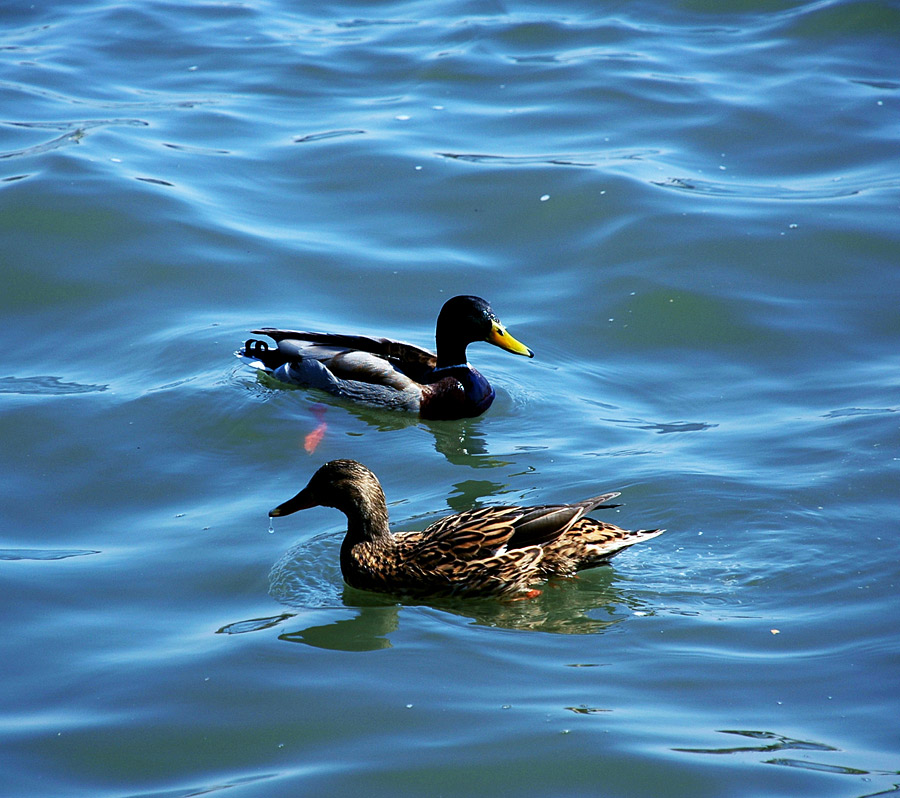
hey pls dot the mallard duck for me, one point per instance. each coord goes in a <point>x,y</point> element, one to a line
<point>388,373</point>
<point>494,551</point>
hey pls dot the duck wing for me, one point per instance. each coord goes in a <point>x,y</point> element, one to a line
<point>540,525</point>
<point>491,531</point>
<point>404,354</point>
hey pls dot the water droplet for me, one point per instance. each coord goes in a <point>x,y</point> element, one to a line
<point>545,197</point>
<point>271,526</point>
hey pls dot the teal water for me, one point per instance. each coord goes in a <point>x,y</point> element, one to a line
<point>689,211</point>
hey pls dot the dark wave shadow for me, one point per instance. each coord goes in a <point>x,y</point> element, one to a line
<point>772,742</point>
<point>834,189</point>
<point>778,743</point>
<point>210,788</point>
<point>662,427</point>
<point>72,133</point>
<point>328,134</point>
<point>44,554</point>
<point>613,156</point>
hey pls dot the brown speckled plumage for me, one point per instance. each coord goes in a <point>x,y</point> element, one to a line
<point>494,551</point>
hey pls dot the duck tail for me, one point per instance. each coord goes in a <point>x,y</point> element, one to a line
<point>260,355</point>
<point>598,502</point>
<point>610,548</point>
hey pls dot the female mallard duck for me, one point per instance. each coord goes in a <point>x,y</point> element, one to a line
<point>495,551</point>
<point>393,374</point>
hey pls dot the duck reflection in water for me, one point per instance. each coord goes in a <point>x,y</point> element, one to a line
<point>366,622</point>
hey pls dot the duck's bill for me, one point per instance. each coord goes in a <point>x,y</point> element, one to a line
<point>498,336</point>
<point>302,501</point>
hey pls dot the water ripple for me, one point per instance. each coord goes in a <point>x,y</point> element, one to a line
<point>43,554</point>
<point>552,160</point>
<point>73,133</point>
<point>45,385</point>
<point>253,624</point>
<point>836,189</point>
<point>779,743</point>
<point>328,134</point>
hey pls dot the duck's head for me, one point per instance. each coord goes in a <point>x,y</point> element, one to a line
<point>343,484</point>
<point>465,319</point>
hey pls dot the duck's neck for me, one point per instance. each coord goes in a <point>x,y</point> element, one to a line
<point>367,519</point>
<point>451,351</point>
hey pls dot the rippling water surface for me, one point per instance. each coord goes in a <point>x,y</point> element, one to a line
<point>689,211</point>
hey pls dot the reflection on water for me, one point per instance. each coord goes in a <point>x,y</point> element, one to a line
<point>585,604</point>
<point>460,441</point>
<point>468,494</point>
<point>308,577</point>
<point>367,631</point>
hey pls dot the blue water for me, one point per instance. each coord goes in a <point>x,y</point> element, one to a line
<point>689,211</point>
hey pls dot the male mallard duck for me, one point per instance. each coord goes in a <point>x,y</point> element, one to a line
<point>393,374</point>
<point>495,551</point>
